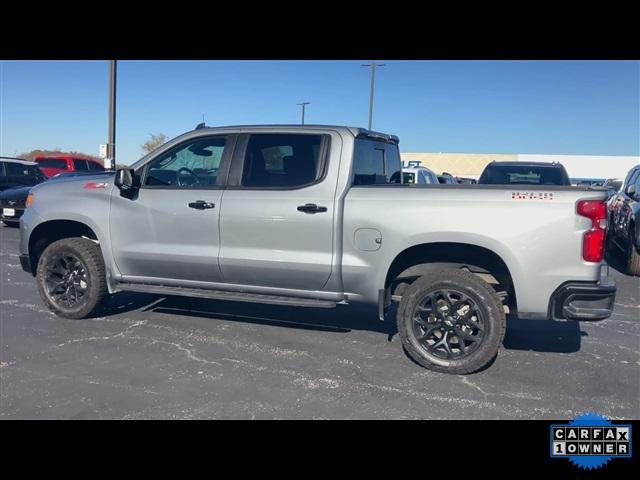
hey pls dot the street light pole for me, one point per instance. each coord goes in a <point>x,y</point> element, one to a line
<point>373,81</point>
<point>111,146</point>
<point>303,104</point>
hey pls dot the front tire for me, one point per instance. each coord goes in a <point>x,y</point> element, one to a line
<point>451,321</point>
<point>71,278</point>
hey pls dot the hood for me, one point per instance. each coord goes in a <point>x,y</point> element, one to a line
<point>80,177</point>
<point>16,193</point>
<point>73,181</point>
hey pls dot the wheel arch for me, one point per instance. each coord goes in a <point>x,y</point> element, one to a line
<point>50,231</point>
<point>414,261</point>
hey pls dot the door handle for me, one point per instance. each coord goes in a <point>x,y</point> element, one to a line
<point>311,208</point>
<point>201,205</point>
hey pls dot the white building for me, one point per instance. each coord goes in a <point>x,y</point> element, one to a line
<point>472,164</point>
<point>588,166</point>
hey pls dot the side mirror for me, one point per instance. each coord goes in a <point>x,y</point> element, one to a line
<point>126,182</point>
<point>631,190</point>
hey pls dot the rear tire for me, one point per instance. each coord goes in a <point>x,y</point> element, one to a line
<point>633,257</point>
<point>71,278</point>
<point>434,327</point>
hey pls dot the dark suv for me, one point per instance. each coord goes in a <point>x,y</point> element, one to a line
<point>16,179</point>
<point>624,221</point>
<point>524,173</point>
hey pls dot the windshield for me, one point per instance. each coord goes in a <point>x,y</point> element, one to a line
<point>524,175</point>
<point>35,172</point>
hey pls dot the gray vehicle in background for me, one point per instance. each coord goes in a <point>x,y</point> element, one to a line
<point>447,179</point>
<point>419,176</point>
<point>315,216</point>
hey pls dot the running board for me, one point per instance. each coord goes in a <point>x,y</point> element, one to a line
<point>225,295</point>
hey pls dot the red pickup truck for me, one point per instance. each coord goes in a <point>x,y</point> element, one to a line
<point>51,166</point>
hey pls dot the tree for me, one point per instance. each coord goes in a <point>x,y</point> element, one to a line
<point>154,142</point>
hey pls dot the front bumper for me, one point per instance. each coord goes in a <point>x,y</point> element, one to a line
<point>584,300</point>
<point>12,219</point>
<point>15,218</point>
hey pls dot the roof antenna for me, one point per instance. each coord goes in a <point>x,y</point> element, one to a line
<point>201,125</point>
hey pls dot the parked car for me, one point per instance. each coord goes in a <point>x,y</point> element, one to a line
<point>309,216</point>
<point>624,221</point>
<point>64,163</point>
<point>13,203</point>
<point>466,181</point>
<point>588,182</point>
<point>17,177</point>
<point>613,185</point>
<point>524,173</point>
<point>419,176</point>
<point>15,172</point>
<point>447,179</point>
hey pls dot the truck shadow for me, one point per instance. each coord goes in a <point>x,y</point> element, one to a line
<point>536,335</point>
<point>543,335</point>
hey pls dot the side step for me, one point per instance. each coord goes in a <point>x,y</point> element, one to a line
<point>224,295</point>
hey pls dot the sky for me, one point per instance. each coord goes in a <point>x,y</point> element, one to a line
<point>543,107</point>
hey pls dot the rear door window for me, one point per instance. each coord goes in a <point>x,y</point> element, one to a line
<point>282,160</point>
<point>95,166</point>
<point>634,179</point>
<point>80,165</point>
<point>53,163</point>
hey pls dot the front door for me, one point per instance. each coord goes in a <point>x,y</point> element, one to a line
<point>276,224</point>
<point>170,230</point>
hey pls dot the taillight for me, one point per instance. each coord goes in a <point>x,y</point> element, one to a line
<point>593,241</point>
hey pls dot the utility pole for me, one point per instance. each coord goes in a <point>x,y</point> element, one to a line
<point>373,81</point>
<point>111,146</point>
<point>303,104</point>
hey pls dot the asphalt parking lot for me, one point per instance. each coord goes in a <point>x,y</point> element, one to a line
<point>154,357</point>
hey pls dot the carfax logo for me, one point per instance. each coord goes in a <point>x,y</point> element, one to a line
<point>590,441</point>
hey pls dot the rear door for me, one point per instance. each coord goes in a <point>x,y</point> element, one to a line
<point>276,223</point>
<point>170,230</point>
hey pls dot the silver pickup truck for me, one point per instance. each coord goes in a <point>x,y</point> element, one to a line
<point>317,216</point>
